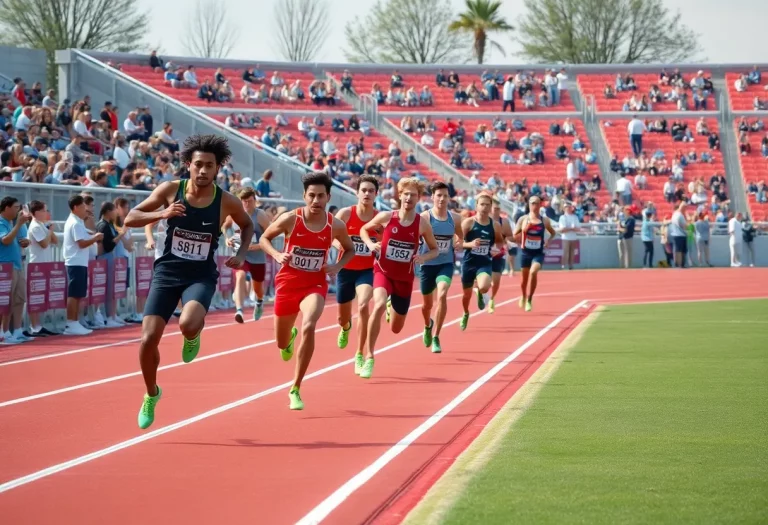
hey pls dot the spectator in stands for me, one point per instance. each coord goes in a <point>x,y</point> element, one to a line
<point>155,62</point>
<point>741,84</point>
<point>396,80</point>
<point>635,129</point>
<point>13,240</point>
<point>190,77</point>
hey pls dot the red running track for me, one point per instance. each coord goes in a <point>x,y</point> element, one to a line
<point>224,446</point>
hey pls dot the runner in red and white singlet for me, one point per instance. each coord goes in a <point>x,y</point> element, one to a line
<point>300,284</point>
<point>397,254</point>
<point>356,278</point>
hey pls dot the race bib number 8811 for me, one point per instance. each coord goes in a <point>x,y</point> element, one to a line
<point>192,246</point>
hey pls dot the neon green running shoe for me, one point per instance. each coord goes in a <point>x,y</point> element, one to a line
<point>427,336</point>
<point>528,305</point>
<point>389,309</point>
<point>258,311</point>
<point>464,321</point>
<point>521,302</point>
<point>358,363</point>
<point>190,349</point>
<point>367,371</point>
<point>295,397</point>
<point>343,340</point>
<point>287,353</point>
<point>491,306</point>
<point>436,348</point>
<point>147,411</point>
<point>480,300</point>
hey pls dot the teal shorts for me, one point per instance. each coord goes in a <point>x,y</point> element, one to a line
<point>433,274</point>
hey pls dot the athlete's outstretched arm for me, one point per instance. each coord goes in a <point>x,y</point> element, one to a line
<point>283,225</point>
<point>458,231</point>
<point>341,237</point>
<point>148,211</point>
<point>550,229</point>
<point>233,208</point>
<point>466,226</point>
<point>425,230</point>
<point>381,219</point>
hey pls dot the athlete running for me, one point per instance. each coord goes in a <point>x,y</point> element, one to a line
<point>356,278</point>
<point>529,231</point>
<point>186,270</point>
<point>498,261</point>
<point>481,243</point>
<point>255,258</point>
<point>397,252</point>
<point>301,284</point>
<point>437,274</point>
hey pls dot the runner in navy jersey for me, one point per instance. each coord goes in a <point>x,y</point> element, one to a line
<point>499,260</point>
<point>530,234</point>
<point>194,210</point>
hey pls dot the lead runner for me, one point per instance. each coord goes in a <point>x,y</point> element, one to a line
<point>301,284</point>
<point>393,273</point>
<point>186,270</point>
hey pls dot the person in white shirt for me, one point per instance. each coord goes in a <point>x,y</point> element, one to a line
<point>508,95</point>
<point>624,188</point>
<point>76,248</point>
<point>568,227</point>
<point>24,119</point>
<point>42,239</point>
<point>677,232</point>
<point>735,236</point>
<point>635,128</point>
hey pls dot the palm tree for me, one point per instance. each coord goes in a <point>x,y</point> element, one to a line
<point>481,18</point>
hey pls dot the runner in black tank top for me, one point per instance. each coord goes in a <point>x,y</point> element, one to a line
<point>194,210</point>
<point>530,235</point>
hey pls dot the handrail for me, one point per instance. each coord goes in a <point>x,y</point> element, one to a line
<point>210,120</point>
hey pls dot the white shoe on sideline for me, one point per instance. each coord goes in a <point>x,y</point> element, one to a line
<point>75,328</point>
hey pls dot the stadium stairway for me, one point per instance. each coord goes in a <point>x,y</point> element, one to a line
<point>729,146</point>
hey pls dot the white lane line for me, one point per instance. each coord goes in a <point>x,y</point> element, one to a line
<point>166,367</point>
<point>319,513</point>
<point>44,473</point>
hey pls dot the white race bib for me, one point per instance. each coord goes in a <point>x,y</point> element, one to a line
<point>192,246</point>
<point>361,248</point>
<point>533,244</point>
<point>399,251</point>
<point>444,243</point>
<point>483,249</point>
<point>307,259</point>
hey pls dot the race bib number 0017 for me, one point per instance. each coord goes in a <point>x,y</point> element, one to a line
<point>361,248</point>
<point>307,260</point>
<point>191,246</point>
<point>399,251</point>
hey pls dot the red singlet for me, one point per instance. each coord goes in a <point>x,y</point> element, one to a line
<point>398,246</point>
<point>303,275</point>
<point>363,259</point>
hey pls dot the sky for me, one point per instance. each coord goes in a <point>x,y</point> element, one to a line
<point>718,24</point>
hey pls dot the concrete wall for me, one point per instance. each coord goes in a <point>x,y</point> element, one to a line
<point>28,64</point>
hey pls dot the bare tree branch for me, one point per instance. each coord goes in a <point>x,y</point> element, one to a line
<point>105,25</point>
<point>302,28</point>
<point>210,33</point>
<point>406,31</point>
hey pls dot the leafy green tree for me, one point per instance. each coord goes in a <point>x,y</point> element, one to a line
<point>480,19</point>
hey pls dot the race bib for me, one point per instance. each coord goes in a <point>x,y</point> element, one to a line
<point>399,251</point>
<point>361,248</point>
<point>307,260</point>
<point>532,244</point>
<point>191,246</point>
<point>483,249</point>
<point>444,243</point>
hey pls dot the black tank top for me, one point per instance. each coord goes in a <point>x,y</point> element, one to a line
<point>191,241</point>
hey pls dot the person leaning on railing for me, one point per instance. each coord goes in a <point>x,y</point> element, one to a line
<point>13,239</point>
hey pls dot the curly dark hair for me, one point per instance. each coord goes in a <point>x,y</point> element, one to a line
<point>218,146</point>
<point>368,178</point>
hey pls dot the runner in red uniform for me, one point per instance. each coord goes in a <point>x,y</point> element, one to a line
<point>397,253</point>
<point>356,278</point>
<point>300,284</point>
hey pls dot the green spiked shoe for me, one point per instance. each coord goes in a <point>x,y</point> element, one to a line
<point>359,360</point>
<point>190,349</point>
<point>367,370</point>
<point>258,312</point>
<point>147,411</point>
<point>464,321</point>
<point>427,336</point>
<point>287,353</point>
<point>436,348</point>
<point>528,305</point>
<point>295,398</point>
<point>343,340</point>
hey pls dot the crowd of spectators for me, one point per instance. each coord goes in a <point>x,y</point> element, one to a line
<point>673,88</point>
